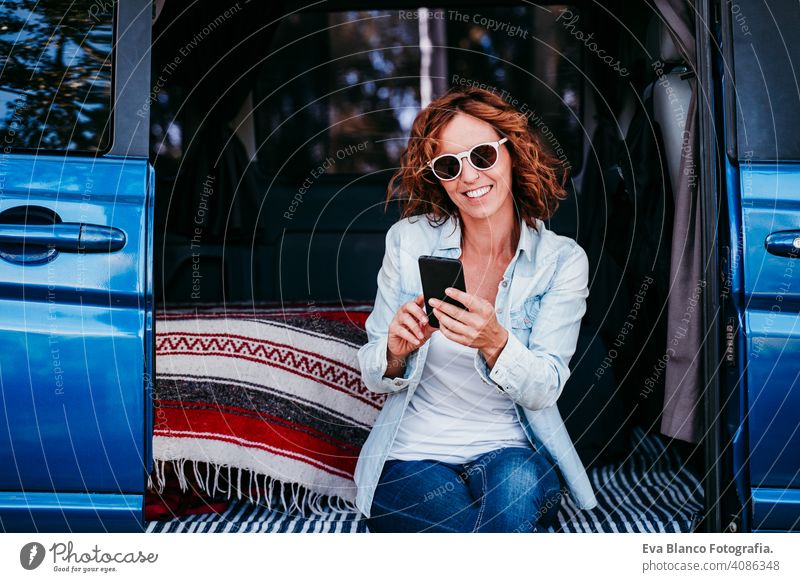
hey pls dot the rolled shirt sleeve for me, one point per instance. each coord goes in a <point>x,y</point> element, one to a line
<point>534,375</point>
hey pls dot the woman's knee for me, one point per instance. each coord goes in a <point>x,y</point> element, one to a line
<point>525,468</point>
<point>521,489</point>
<point>550,492</point>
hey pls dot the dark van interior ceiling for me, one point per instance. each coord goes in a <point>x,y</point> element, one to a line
<point>213,60</point>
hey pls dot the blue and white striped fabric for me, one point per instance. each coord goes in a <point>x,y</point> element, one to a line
<point>651,490</point>
<point>246,517</point>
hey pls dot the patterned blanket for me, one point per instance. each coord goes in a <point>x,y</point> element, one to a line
<point>263,402</point>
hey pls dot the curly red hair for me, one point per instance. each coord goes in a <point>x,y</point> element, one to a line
<point>538,177</point>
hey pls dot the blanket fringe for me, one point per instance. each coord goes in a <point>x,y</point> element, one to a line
<point>286,496</point>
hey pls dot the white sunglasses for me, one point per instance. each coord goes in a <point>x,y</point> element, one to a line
<point>481,157</point>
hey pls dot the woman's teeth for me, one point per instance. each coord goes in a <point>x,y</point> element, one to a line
<point>478,192</point>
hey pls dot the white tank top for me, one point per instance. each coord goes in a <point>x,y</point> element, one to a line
<point>454,416</point>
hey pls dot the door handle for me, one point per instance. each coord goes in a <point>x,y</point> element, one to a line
<point>65,237</point>
<point>785,243</point>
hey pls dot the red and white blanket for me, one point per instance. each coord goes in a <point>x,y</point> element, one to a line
<point>267,399</point>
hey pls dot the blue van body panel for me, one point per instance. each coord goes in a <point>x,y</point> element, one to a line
<point>70,512</point>
<point>776,510</point>
<point>770,202</point>
<point>773,346</point>
<point>76,359</point>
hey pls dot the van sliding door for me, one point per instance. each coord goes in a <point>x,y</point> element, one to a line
<point>764,197</point>
<point>75,265</point>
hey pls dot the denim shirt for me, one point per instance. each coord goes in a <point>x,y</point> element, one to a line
<point>540,301</point>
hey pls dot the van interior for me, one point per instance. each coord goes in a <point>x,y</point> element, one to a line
<point>275,131</point>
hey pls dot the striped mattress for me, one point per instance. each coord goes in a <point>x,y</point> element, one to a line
<point>651,490</point>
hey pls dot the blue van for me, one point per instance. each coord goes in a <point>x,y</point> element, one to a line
<point>156,155</point>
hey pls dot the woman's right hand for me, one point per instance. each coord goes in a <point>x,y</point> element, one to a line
<point>409,329</point>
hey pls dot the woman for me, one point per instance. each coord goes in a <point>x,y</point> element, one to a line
<point>469,438</point>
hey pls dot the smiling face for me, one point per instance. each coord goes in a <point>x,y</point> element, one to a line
<point>490,189</point>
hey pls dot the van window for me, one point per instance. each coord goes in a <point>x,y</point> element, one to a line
<point>344,87</point>
<point>55,74</point>
<point>767,77</point>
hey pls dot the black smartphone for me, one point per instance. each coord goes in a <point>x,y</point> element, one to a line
<point>437,274</point>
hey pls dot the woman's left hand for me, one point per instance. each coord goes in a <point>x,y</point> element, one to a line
<point>474,327</point>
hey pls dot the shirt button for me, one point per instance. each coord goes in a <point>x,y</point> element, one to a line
<point>505,283</point>
<point>398,382</point>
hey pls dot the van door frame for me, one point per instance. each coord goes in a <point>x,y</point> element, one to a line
<point>708,154</point>
<point>130,112</point>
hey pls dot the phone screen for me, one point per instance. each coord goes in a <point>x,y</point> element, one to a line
<point>437,274</point>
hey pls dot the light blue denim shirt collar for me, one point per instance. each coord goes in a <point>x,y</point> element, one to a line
<point>451,237</point>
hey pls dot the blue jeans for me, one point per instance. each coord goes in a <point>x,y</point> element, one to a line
<point>504,490</point>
